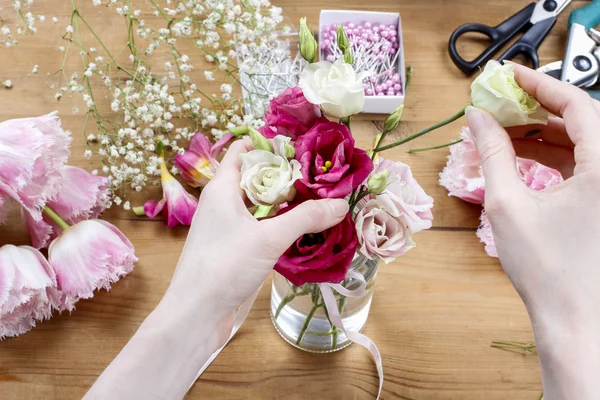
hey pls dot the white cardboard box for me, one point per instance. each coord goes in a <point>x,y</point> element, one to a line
<point>373,104</point>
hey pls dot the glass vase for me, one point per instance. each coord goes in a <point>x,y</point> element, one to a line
<point>300,317</point>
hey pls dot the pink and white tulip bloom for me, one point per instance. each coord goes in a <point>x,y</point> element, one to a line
<point>32,153</point>
<point>27,290</point>
<point>199,162</point>
<point>177,205</point>
<point>90,255</point>
<point>82,196</point>
<point>403,197</point>
<point>380,234</point>
<point>462,176</point>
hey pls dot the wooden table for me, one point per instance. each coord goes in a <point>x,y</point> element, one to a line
<point>435,310</point>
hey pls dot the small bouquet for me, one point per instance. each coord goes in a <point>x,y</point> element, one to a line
<point>60,205</point>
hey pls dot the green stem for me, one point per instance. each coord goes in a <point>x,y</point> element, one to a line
<point>346,121</point>
<point>447,121</point>
<point>139,211</point>
<point>56,218</point>
<point>309,318</point>
<point>284,302</point>
<point>440,146</point>
<point>409,72</point>
<point>361,195</point>
<point>519,347</point>
<point>262,211</point>
<point>239,131</point>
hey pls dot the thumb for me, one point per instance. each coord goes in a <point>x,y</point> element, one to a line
<point>496,151</point>
<point>309,217</point>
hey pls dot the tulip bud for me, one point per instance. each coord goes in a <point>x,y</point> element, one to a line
<point>378,182</point>
<point>259,141</point>
<point>342,40</point>
<point>308,44</point>
<point>392,121</point>
<point>290,151</point>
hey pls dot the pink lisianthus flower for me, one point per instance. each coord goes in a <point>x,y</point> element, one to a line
<point>199,162</point>
<point>320,257</point>
<point>462,176</point>
<point>380,234</point>
<point>290,114</point>
<point>536,177</point>
<point>90,255</point>
<point>82,196</point>
<point>32,153</point>
<point>331,166</point>
<point>28,290</point>
<point>177,205</point>
<point>403,197</point>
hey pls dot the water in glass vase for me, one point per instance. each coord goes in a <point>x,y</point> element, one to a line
<point>300,317</point>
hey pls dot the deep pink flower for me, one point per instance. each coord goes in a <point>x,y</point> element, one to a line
<point>32,153</point>
<point>331,165</point>
<point>90,255</point>
<point>403,197</point>
<point>27,290</point>
<point>199,162</point>
<point>537,177</point>
<point>177,205</point>
<point>320,257</point>
<point>81,196</point>
<point>462,176</point>
<point>290,114</point>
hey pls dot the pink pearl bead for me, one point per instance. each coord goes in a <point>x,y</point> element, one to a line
<point>376,29</point>
<point>333,27</point>
<point>327,42</point>
<point>381,27</point>
<point>392,27</point>
<point>389,83</point>
<point>397,87</point>
<point>373,79</point>
<point>351,25</point>
<point>376,37</point>
<point>359,42</point>
<point>388,73</point>
<point>380,94</point>
<point>391,92</point>
<point>368,25</point>
<point>326,28</point>
<point>330,58</point>
<point>369,91</point>
<point>385,34</point>
<point>384,86</point>
<point>381,57</point>
<point>364,35</point>
<point>385,48</point>
<point>379,88</point>
<point>396,78</point>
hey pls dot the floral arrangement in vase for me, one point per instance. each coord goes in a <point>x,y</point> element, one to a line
<point>60,205</point>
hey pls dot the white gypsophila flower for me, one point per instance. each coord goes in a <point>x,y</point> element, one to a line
<point>7,83</point>
<point>34,70</point>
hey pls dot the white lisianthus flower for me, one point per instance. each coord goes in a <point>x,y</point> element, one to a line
<point>496,91</point>
<point>335,87</point>
<point>268,178</point>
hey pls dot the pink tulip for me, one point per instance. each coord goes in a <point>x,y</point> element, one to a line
<point>180,205</point>
<point>90,255</point>
<point>82,196</point>
<point>27,290</point>
<point>32,152</point>
<point>199,162</point>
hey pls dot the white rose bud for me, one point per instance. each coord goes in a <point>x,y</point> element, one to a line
<point>268,178</point>
<point>496,91</point>
<point>378,182</point>
<point>335,87</point>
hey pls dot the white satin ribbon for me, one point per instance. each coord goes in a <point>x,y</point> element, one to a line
<point>336,319</point>
<point>240,317</point>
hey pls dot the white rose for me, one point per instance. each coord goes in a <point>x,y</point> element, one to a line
<point>335,87</point>
<point>267,178</point>
<point>496,91</point>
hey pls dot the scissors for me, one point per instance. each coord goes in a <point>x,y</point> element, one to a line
<point>581,65</point>
<point>535,22</point>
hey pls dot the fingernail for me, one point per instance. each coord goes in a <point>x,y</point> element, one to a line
<point>339,207</point>
<point>475,118</point>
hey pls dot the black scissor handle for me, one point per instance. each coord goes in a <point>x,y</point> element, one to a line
<point>499,35</point>
<point>529,43</point>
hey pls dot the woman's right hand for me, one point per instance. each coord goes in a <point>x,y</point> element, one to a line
<point>549,241</point>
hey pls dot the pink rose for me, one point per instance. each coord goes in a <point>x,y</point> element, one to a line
<point>462,175</point>
<point>380,234</point>
<point>331,166</point>
<point>404,197</point>
<point>320,257</point>
<point>290,114</point>
<point>537,177</point>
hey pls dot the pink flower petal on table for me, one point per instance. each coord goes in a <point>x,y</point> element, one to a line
<point>88,256</point>
<point>199,162</point>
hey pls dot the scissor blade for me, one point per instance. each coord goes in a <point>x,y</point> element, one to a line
<point>553,69</point>
<point>545,9</point>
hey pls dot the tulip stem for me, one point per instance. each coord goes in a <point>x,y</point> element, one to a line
<point>56,218</point>
<point>439,146</point>
<point>447,121</point>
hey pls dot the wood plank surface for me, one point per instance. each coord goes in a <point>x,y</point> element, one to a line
<point>435,310</point>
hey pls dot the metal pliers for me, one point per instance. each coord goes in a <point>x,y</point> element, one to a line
<point>581,65</point>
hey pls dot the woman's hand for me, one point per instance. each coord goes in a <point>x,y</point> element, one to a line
<point>549,241</point>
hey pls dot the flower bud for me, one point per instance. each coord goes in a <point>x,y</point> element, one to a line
<point>392,121</point>
<point>342,40</point>
<point>348,57</point>
<point>290,151</point>
<point>308,44</point>
<point>259,141</point>
<point>378,182</point>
